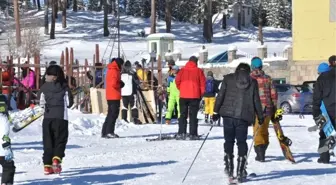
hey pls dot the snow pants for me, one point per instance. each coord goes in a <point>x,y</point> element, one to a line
<point>235,129</point>
<point>55,137</point>
<point>8,171</point>
<point>209,104</point>
<point>191,106</point>
<point>126,102</point>
<point>112,116</point>
<point>174,101</point>
<point>262,136</point>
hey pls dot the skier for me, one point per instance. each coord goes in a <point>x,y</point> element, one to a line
<point>238,102</point>
<point>191,82</point>
<point>6,153</point>
<point>129,92</point>
<point>268,98</point>
<point>55,98</point>
<point>170,79</point>
<point>174,96</point>
<point>211,88</point>
<point>113,96</point>
<point>325,91</point>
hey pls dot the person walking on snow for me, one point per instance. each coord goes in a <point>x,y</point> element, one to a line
<point>113,97</point>
<point>55,98</point>
<point>129,92</point>
<point>174,96</point>
<point>325,90</point>
<point>191,82</point>
<point>268,97</point>
<point>6,154</point>
<point>238,102</point>
<point>211,88</point>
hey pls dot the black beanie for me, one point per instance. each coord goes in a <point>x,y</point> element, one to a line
<point>332,59</point>
<point>193,59</point>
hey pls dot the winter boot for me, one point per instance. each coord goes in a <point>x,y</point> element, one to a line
<point>56,165</point>
<point>48,170</point>
<point>229,165</point>
<point>263,152</point>
<point>206,117</point>
<point>241,169</point>
<point>259,151</point>
<point>111,136</point>
<point>324,158</point>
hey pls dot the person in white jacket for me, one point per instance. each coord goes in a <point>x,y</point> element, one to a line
<point>6,154</point>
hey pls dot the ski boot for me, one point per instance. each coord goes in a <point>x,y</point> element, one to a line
<point>111,136</point>
<point>241,169</point>
<point>137,121</point>
<point>48,170</point>
<point>206,117</point>
<point>181,136</point>
<point>211,120</point>
<point>192,137</point>
<point>229,165</point>
<point>56,165</point>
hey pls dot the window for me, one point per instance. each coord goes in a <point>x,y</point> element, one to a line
<point>248,11</point>
<point>332,11</point>
<point>282,88</point>
<point>154,47</point>
<point>279,80</point>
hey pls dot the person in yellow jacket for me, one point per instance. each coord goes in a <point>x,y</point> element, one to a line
<point>142,74</point>
<point>174,96</point>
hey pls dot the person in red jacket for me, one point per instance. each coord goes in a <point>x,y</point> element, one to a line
<point>113,96</point>
<point>191,83</point>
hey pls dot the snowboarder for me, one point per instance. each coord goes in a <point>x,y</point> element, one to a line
<point>6,153</point>
<point>174,96</point>
<point>211,88</point>
<point>55,98</point>
<point>268,98</point>
<point>238,102</point>
<point>129,92</point>
<point>191,82</point>
<point>325,90</point>
<point>113,97</point>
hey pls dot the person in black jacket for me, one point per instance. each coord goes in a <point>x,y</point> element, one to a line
<point>129,92</point>
<point>324,90</point>
<point>237,102</point>
<point>56,98</point>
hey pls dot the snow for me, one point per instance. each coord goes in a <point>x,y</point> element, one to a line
<point>131,160</point>
<point>161,36</point>
<point>232,48</point>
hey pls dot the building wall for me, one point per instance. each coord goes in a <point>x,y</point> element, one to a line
<point>314,32</point>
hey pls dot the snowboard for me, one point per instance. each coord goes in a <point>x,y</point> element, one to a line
<point>329,131</point>
<point>284,141</point>
<point>22,119</point>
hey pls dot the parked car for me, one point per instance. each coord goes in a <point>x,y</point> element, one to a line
<point>290,98</point>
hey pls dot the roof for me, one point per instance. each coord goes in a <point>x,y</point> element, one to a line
<point>157,36</point>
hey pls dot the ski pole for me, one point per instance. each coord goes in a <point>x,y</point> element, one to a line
<point>251,145</point>
<point>206,137</point>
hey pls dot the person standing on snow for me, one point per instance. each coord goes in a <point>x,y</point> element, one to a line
<point>191,82</point>
<point>174,96</point>
<point>325,90</point>
<point>238,102</point>
<point>268,98</point>
<point>6,153</point>
<point>129,92</point>
<point>211,88</point>
<point>113,97</point>
<point>56,98</point>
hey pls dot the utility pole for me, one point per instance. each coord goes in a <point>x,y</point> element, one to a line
<point>17,23</point>
<point>118,24</point>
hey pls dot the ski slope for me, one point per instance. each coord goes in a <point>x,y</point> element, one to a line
<point>131,160</point>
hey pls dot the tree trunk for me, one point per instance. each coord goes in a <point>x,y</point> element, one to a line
<point>100,5</point>
<point>39,5</point>
<point>34,3</point>
<point>207,22</point>
<point>53,18</point>
<point>168,16</point>
<point>106,31</point>
<point>56,8</point>
<point>46,20</point>
<point>153,17</point>
<point>64,24</point>
<point>74,8</point>
<point>17,23</point>
<point>239,15</point>
<point>224,21</point>
<point>260,25</point>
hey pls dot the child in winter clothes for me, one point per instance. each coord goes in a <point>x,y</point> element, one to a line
<point>56,98</point>
<point>210,96</point>
<point>6,154</point>
<point>174,96</point>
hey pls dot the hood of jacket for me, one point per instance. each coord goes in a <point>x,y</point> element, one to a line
<point>113,65</point>
<point>190,64</point>
<point>243,79</point>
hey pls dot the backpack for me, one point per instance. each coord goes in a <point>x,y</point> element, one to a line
<point>209,87</point>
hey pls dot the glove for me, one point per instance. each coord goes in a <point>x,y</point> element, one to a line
<point>215,117</point>
<point>122,84</point>
<point>320,121</point>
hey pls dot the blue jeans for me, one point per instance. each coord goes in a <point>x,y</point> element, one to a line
<point>12,102</point>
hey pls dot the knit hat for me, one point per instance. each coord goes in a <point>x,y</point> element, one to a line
<point>171,62</point>
<point>128,64</point>
<point>332,60</point>
<point>210,73</point>
<point>323,67</point>
<point>256,62</point>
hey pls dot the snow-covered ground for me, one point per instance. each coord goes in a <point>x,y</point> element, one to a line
<point>132,160</point>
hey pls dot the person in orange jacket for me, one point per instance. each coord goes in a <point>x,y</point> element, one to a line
<point>113,97</point>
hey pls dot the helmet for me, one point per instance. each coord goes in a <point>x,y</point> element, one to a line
<point>256,63</point>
